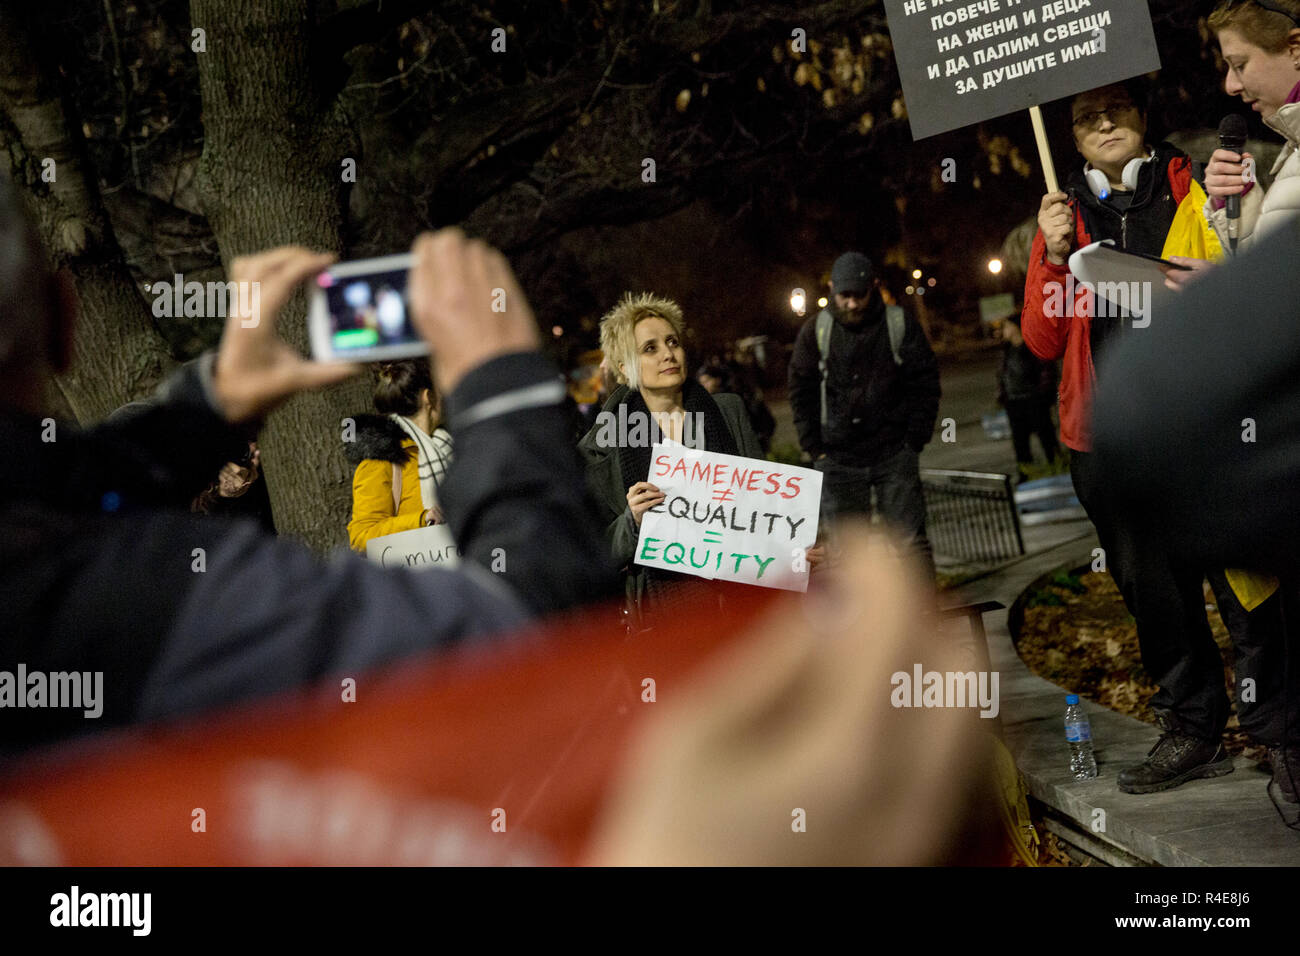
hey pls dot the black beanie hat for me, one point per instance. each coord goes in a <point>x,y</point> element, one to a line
<point>852,272</point>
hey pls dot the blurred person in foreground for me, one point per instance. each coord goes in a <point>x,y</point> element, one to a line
<point>1147,200</point>
<point>120,589</point>
<point>1260,44</point>
<point>790,748</point>
<point>864,390</point>
<point>401,456</point>
<point>1205,452</point>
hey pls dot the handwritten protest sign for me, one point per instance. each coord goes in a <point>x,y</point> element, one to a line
<point>730,518</point>
<point>963,62</point>
<point>421,548</point>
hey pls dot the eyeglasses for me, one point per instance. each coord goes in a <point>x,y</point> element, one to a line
<point>1093,120</point>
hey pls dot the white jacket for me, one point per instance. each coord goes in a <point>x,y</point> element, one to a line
<point>1261,212</point>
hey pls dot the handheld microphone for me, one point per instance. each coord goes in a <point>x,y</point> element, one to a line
<point>1232,135</point>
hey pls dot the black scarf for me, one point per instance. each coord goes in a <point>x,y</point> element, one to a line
<point>634,461</point>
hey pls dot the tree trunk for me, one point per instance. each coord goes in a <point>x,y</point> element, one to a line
<point>120,355</point>
<point>270,175</point>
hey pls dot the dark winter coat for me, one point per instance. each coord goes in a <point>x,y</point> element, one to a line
<point>874,406</point>
<point>1023,376</point>
<point>101,569</point>
<point>609,485</point>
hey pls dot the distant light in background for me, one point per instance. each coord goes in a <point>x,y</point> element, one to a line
<point>995,266</point>
<point>930,282</point>
<point>920,290</point>
<point>910,290</point>
<point>823,302</point>
<point>798,302</point>
<point>916,274</point>
<point>557,331</point>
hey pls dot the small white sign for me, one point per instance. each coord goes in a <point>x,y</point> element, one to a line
<point>418,549</point>
<point>730,518</point>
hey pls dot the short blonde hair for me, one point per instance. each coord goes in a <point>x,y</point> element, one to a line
<point>618,331</point>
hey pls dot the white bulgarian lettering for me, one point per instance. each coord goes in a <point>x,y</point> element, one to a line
<point>971,11</point>
<point>1033,64</point>
<point>992,28</point>
<point>1006,48</point>
<point>1060,8</point>
<point>1083,25</point>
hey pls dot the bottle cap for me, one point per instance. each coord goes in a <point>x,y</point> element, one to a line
<point>1071,699</point>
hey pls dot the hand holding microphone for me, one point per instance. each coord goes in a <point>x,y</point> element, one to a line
<point>1229,171</point>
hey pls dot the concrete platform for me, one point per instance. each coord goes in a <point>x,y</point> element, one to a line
<point>1227,821</point>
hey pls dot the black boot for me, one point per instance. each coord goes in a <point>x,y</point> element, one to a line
<point>1286,773</point>
<point>1176,758</point>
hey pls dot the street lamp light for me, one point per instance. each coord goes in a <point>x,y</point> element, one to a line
<point>995,266</point>
<point>823,302</point>
<point>916,273</point>
<point>798,302</point>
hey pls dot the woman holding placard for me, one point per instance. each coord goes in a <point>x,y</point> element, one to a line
<point>642,338</point>
<point>400,455</point>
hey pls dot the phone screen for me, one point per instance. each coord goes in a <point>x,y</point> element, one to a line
<point>367,311</point>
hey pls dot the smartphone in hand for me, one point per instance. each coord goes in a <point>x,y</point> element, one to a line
<point>360,312</point>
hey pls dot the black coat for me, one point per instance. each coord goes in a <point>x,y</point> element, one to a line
<point>874,406</point>
<point>102,569</point>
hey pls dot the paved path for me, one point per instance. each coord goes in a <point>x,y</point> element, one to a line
<point>1228,821</point>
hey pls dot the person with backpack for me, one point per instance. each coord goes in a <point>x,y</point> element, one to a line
<point>864,390</point>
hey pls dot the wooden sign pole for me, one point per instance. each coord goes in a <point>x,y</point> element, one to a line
<point>1044,151</point>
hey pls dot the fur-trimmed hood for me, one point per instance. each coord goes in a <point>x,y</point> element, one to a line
<point>377,437</point>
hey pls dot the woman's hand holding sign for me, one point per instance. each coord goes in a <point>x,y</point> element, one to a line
<point>641,497</point>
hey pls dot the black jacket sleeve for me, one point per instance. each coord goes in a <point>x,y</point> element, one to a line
<point>920,373</point>
<point>163,452</point>
<point>265,615</point>
<point>804,381</point>
<point>516,494</point>
<point>1197,417</point>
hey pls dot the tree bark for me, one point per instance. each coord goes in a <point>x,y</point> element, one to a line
<point>120,355</point>
<point>270,175</point>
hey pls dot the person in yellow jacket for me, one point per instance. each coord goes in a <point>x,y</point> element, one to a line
<point>400,455</point>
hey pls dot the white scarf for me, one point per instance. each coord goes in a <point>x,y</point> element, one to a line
<point>433,454</point>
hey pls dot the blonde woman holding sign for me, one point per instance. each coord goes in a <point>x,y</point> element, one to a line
<point>656,400</point>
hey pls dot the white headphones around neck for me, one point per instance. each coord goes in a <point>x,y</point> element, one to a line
<point>1099,182</point>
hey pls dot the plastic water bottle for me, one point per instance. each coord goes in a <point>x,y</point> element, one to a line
<point>1078,734</point>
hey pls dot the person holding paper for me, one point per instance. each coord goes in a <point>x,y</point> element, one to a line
<point>1147,200</point>
<point>401,455</point>
<point>657,400</point>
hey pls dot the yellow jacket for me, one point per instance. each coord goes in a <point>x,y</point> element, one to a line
<point>373,515</point>
<point>375,447</point>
